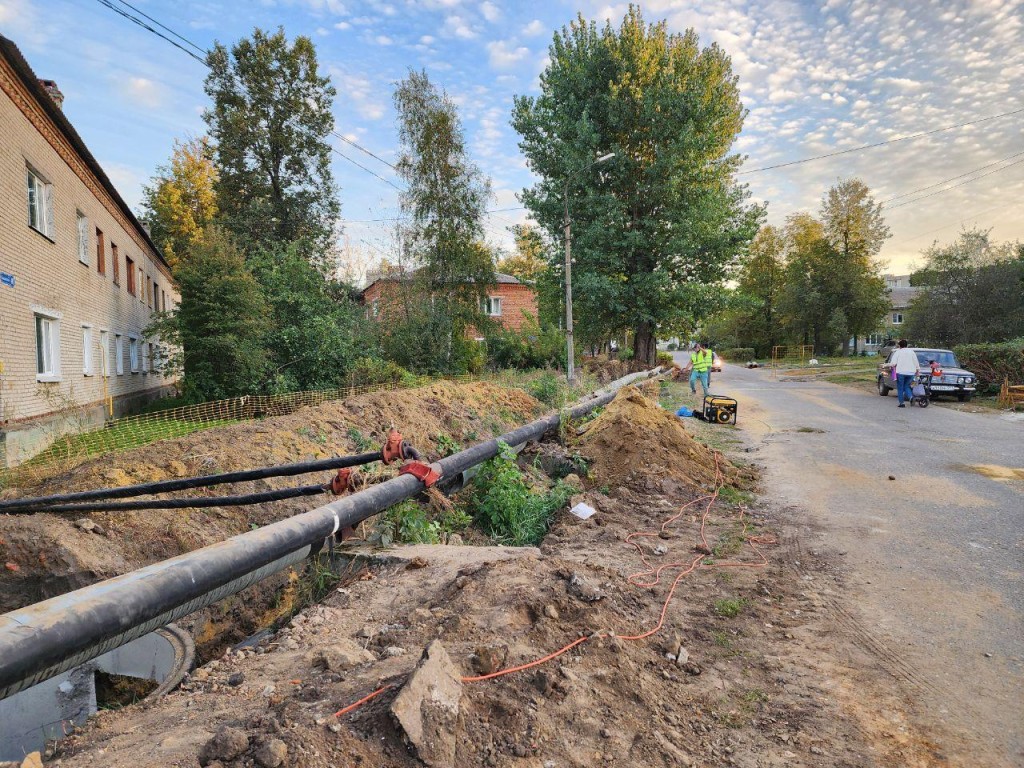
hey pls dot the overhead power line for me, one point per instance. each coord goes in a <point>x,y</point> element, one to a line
<point>167,29</point>
<point>954,178</point>
<point>882,143</point>
<point>968,181</point>
<point>145,26</point>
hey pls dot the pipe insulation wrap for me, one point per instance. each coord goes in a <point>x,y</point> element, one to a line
<point>44,639</point>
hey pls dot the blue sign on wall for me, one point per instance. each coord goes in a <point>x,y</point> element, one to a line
<point>7,279</point>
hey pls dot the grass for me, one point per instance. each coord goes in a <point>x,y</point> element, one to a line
<point>729,543</point>
<point>729,607</point>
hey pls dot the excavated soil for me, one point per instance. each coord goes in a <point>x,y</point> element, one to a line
<point>47,555</point>
<point>745,668</point>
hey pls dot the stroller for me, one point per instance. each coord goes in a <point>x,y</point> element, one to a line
<point>922,390</point>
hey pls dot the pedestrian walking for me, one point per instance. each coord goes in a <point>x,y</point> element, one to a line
<point>700,368</point>
<point>905,364</point>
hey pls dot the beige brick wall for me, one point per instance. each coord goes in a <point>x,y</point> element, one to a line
<point>49,276</point>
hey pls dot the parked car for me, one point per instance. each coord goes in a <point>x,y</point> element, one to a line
<point>886,349</point>
<point>716,363</point>
<point>953,381</point>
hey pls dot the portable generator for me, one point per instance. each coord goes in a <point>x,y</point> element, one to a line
<point>719,409</point>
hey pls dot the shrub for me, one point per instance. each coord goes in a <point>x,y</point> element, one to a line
<point>370,370</point>
<point>665,358</point>
<point>529,347</point>
<point>505,506</point>
<point>737,354</point>
<point>672,347</point>
<point>548,388</point>
<point>992,363</point>
<point>406,522</point>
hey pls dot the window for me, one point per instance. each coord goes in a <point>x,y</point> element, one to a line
<point>375,307</point>
<point>133,354</point>
<point>118,354</point>
<point>491,306</point>
<point>129,272</point>
<point>897,318</point>
<point>104,353</point>
<point>87,350</point>
<point>149,293</point>
<point>141,285</point>
<point>40,204</point>
<point>101,255</point>
<point>145,358</point>
<point>115,265</point>
<point>47,346</point>
<point>83,238</point>
<point>875,339</point>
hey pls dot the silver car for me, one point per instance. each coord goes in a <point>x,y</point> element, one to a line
<point>953,381</point>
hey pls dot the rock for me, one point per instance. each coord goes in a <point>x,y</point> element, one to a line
<point>334,727</point>
<point>99,530</point>
<point>551,611</point>
<point>683,657</point>
<point>12,567</point>
<point>227,744</point>
<point>291,644</point>
<point>454,540</point>
<point>393,650</point>
<point>605,733</point>
<point>342,655</point>
<point>661,549</point>
<point>201,674</point>
<point>268,690</point>
<point>32,760</point>
<point>584,590</point>
<point>85,524</point>
<point>690,668</point>
<point>427,707</point>
<point>271,754</point>
<point>892,477</point>
<point>573,481</point>
<point>236,679</point>
<point>487,659</point>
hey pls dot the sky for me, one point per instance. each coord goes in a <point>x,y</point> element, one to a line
<point>816,77</point>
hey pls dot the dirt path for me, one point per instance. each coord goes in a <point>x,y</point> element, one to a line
<point>758,662</point>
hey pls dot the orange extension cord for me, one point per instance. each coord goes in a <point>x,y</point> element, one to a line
<point>646,578</point>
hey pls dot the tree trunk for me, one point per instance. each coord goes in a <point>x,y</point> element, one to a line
<point>645,348</point>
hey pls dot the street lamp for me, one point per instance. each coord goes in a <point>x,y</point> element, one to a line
<point>571,360</point>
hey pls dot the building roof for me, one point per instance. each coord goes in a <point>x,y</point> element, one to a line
<point>28,78</point>
<point>500,278</point>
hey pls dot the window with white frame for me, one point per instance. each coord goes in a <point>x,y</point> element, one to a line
<point>83,239</point>
<point>897,318</point>
<point>47,346</point>
<point>87,350</point>
<point>40,204</point>
<point>104,353</point>
<point>133,354</point>
<point>145,358</point>
<point>118,354</point>
<point>491,306</point>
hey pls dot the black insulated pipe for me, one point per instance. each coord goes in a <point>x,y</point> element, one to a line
<point>165,486</point>
<point>42,640</point>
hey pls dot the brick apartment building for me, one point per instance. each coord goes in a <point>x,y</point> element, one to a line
<point>79,276</point>
<point>508,300</point>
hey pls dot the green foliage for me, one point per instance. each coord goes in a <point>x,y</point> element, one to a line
<point>549,388</point>
<point>993,363</point>
<point>446,444</point>
<point>455,520</point>
<point>359,440</point>
<point>672,347</point>
<point>505,506</point>
<point>427,339</point>
<point>529,347</point>
<point>729,608</point>
<point>311,342</point>
<point>370,370</point>
<point>215,335</point>
<point>972,292</point>
<point>758,319</point>
<point>670,111</point>
<point>406,523</point>
<point>737,354</point>
<point>666,359</point>
<point>270,121</point>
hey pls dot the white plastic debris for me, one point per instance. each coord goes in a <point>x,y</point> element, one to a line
<point>583,511</point>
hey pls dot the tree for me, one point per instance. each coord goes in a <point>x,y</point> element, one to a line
<point>972,292</point>
<point>445,201</point>
<point>656,229</point>
<point>528,262</point>
<point>180,202</point>
<point>854,227</point>
<point>270,120</point>
<point>762,282</point>
<point>218,327</point>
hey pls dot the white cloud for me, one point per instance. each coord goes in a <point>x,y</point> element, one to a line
<point>343,25</point>
<point>145,92</point>
<point>504,56</point>
<point>456,26</point>
<point>490,11</point>
<point>427,40</point>
<point>383,40</point>
<point>534,28</point>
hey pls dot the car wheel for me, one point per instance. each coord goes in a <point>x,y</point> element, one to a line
<point>882,389</point>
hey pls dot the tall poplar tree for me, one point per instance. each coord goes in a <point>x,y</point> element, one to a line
<point>270,119</point>
<point>657,229</point>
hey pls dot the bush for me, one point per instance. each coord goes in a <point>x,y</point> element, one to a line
<point>672,347</point>
<point>406,522</point>
<point>370,370</point>
<point>529,347</point>
<point>665,358</point>
<point>992,363</point>
<point>737,354</point>
<point>505,506</point>
<point>548,388</point>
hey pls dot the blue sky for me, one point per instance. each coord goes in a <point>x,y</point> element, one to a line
<point>816,77</point>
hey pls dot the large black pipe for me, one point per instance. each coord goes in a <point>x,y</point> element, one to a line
<point>165,486</point>
<point>45,639</point>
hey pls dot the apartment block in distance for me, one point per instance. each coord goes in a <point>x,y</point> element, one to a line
<point>79,277</point>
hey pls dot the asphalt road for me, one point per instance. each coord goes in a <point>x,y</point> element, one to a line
<point>934,560</point>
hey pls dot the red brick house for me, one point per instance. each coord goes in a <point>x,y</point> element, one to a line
<point>508,300</point>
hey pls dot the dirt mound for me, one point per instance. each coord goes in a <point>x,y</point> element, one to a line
<point>635,440</point>
<point>46,555</point>
<point>606,369</point>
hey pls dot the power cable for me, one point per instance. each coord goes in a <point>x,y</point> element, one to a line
<point>144,25</point>
<point>954,178</point>
<point>968,181</point>
<point>168,29</point>
<point>881,143</point>
<point>956,223</point>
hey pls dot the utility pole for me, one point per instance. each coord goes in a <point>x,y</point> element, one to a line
<point>570,367</point>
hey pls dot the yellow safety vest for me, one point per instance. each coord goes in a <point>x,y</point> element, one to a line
<point>701,360</point>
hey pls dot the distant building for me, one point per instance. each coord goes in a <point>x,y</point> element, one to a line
<point>508,301</point>
<point>900,294</point>
<point>79,276</point>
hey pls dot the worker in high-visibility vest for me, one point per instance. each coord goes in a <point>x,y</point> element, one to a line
<point>700,368</point>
